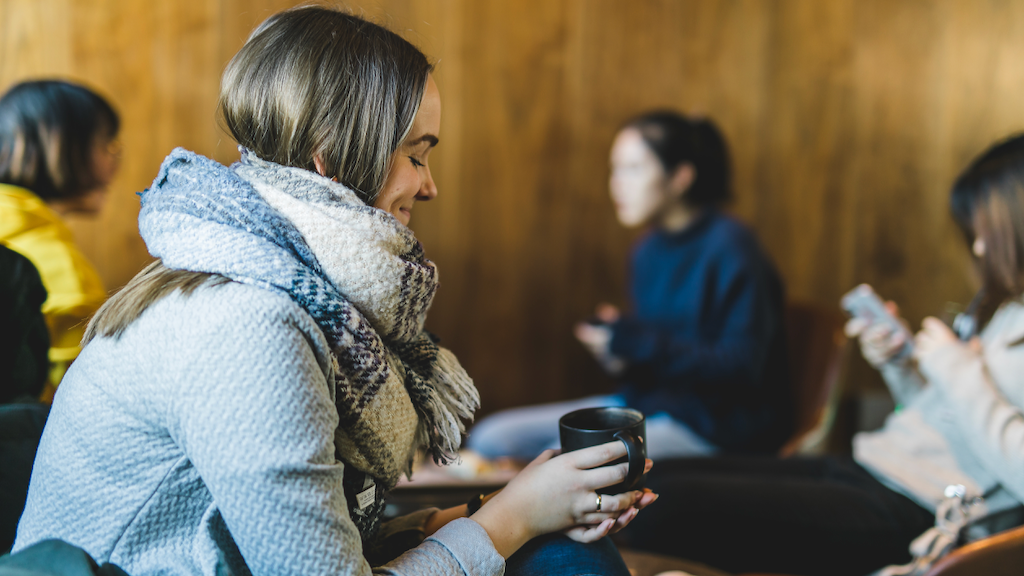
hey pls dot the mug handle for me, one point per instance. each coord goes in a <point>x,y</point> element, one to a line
<point>635,456</point>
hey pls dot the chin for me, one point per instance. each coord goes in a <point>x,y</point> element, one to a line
<point>630,221</point>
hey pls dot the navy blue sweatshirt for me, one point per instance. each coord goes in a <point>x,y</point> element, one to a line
<point>705,341</point>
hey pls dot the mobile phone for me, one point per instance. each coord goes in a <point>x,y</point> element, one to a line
<point>862,302</point>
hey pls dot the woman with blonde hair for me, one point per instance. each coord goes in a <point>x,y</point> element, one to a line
<point>245,404</point>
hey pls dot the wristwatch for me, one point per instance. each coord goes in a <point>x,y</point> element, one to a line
<point>474,504</point>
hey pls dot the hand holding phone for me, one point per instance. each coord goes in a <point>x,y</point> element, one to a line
<point>864,304</point>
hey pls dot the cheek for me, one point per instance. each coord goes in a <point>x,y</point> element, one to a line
<point>105,166</point>
<point>638,192</point>
<point>401,185</point>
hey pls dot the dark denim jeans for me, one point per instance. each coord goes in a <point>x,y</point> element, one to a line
<point>551,555</point>
<point>54,558</point>
<point>558,555</point>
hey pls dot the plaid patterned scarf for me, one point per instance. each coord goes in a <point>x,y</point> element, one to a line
<point>358,272</point>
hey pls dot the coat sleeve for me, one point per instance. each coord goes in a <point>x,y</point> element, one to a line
<point>903,379</point>
<point>260,431</point>
<point>991,424</point>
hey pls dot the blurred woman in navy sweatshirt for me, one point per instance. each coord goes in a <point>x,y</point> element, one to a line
<point>702,350</point>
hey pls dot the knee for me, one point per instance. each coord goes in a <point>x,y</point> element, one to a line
<point>493,437</point>
<point>558,555</point>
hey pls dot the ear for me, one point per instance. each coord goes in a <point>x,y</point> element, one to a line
<point>318,163</point>
<point>681,179</point>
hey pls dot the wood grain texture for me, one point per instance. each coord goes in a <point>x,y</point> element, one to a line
<point>847,119</point>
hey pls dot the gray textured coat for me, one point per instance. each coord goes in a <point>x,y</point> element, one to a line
<point>205,435</point>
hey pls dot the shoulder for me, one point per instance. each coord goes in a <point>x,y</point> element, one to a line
<point>249,345</point>
<point>725,232</point>
<point>229,320</point>
<point>1008,323</point>
<point>18,271</point>
<point>729,246</point>
<point>231,304</point>
<point>29,226</point>
<point>23,211</point>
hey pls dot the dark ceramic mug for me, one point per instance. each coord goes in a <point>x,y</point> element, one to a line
<point>594,426</point>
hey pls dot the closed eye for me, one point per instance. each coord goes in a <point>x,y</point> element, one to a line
<point>416,162</point>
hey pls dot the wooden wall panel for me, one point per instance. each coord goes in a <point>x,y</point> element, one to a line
<point>847,119</point>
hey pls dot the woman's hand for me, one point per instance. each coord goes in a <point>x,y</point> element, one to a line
<point>607,313</point>
<point>597,339</point>
<point>589,534</point>
<point>879,343</point>
<point>934,334</point>
<point>556,493</point>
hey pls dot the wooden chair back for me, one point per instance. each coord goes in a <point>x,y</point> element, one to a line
<point>817,349</point>
<point>1001,554</point>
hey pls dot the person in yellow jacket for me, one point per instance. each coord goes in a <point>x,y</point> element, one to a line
<point>58,154</point>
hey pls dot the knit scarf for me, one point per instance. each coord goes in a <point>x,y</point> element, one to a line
<point>358,272</point>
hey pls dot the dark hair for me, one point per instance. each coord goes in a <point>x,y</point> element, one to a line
<point>315,82</point>
<point>676,140</point>
<point>987,202</point>
<point>47,132</point>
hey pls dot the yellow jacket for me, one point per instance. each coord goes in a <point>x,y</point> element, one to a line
<point>74,289</point>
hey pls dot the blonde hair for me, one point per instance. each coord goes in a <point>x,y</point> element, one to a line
<point>313,82</point>
<point>309,83</point>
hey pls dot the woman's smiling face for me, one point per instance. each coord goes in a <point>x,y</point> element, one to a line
<point>409,180</point>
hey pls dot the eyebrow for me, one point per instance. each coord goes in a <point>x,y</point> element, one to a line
<point>425,138</point>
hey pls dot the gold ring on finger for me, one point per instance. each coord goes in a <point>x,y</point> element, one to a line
<point>598,502</point>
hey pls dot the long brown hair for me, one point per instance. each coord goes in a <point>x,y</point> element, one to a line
<point>987,202</point>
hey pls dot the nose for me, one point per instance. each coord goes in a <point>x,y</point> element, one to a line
<point>428,190</point>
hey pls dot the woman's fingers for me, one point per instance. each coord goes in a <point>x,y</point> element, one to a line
<point>883,342</point>
<point>588,534</point>
<point>610,503</point>
<point>605,476</point>
<point>597,455</point>
<point>624,519</point>
<point>938,328</point>
<point>595,518</point>
<point>877,333</point>
<point>880,342</point>
<point>582,332</point>
<point>647,497</point>
<point>854,326</point>
<point>934,333</point>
